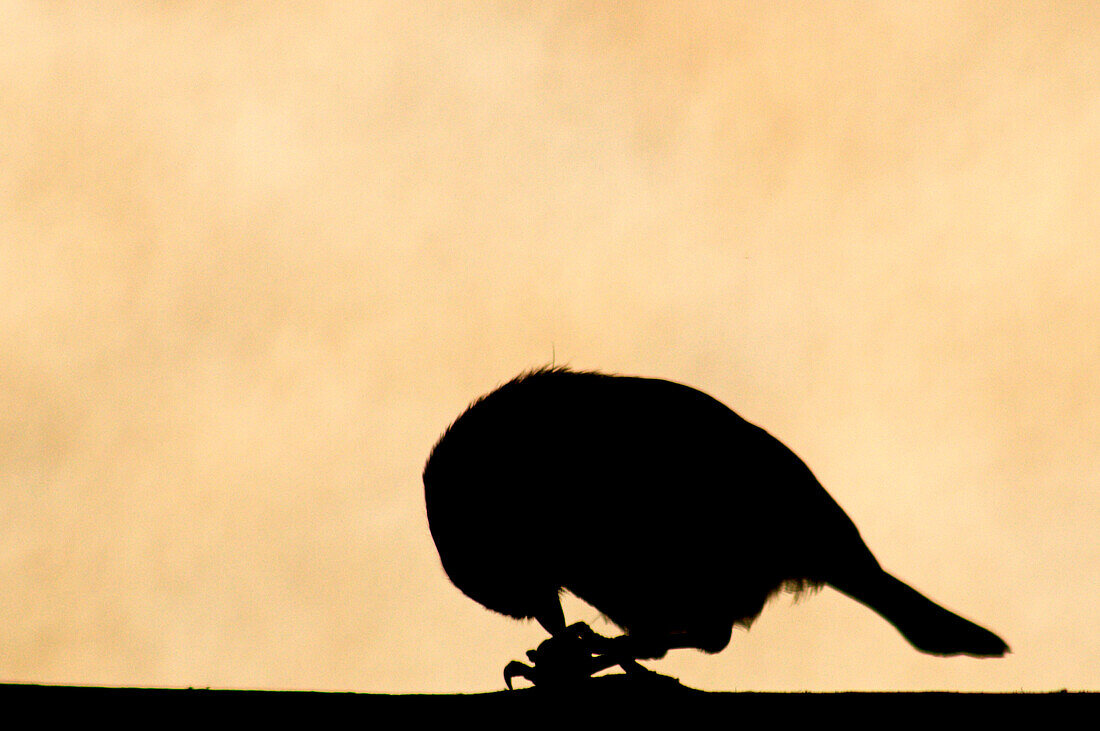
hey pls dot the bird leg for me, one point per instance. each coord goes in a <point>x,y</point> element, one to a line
<point>625,650</point>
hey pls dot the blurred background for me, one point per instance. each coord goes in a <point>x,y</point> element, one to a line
<point>255,257</point>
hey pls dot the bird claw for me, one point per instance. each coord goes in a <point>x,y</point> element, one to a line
<point>516,669</point>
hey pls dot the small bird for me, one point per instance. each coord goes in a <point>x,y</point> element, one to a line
<point>660,507</point>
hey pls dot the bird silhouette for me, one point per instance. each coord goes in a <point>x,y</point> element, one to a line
<point>660,507</point>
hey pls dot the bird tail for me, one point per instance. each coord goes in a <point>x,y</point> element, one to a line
<point>926,625</point>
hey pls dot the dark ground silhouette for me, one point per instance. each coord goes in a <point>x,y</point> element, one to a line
<point>657,505</point>
<point>600,701</point>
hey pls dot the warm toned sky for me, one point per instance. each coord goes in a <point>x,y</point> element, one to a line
<point>253,261</point>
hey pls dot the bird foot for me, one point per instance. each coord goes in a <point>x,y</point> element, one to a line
<point>572,656</point>
<point>568,658</point>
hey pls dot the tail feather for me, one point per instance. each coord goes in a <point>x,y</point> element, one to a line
<point>926,625</point>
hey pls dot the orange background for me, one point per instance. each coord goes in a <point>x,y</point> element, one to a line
<point>255,258</point>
